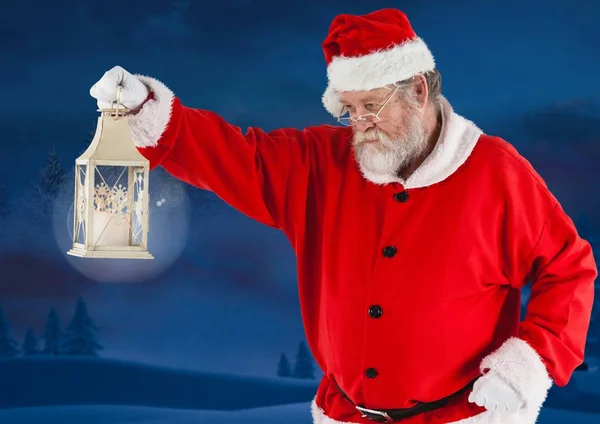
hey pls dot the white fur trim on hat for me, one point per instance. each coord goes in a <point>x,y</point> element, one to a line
<point>375,70</point>
<point>331,101</point>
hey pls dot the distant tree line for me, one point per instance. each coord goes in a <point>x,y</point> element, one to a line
<point>79,338</point>
<point>303,366</point>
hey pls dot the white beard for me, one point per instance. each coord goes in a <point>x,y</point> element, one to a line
<point>389,156</point>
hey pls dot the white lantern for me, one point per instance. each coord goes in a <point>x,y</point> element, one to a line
<point>111,193</point>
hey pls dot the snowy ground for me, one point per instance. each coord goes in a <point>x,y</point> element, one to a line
<point>48,381</point>
<point>68,390</point>
<point>286,414</point>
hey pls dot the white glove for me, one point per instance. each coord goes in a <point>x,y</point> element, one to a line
<point>493,393</point>
<point>133,91</point>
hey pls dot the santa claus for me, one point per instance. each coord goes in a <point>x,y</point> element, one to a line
<point>414,231</point>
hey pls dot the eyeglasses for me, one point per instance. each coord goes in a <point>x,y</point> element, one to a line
<point>368,117</point>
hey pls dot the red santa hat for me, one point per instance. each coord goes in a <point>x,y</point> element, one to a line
<point>371,51</point>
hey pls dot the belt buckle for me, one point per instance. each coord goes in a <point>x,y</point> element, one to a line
<point>383,414</point>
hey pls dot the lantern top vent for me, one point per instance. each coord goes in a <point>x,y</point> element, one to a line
<point>112,143</point>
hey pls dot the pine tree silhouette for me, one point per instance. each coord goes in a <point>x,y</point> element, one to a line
<point>30,344</point>
<point>9,347</point>
<point>33,222</point>
<point>52,176</point>
<point>53,334</point>
<point>284,369</point>
<point>80,338</point>
<point>303,367</point>
<point>42,193</point>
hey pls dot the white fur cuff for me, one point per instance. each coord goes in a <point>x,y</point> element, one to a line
<point>149,124</point>
<point>521,367</point>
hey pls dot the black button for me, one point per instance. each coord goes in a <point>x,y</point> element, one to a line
<point>389,251</point>
<point>401,196</point>
<point>371,372</point>
<point>375,311</point>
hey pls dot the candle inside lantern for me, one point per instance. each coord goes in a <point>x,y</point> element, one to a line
<point>111,226</point>
<point>110,229</point>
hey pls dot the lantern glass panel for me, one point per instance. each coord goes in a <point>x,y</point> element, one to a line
<point>79,216</point>
<point>118,216</point>
<point>139,229</point>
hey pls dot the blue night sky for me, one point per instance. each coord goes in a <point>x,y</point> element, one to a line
<point>222,294</point>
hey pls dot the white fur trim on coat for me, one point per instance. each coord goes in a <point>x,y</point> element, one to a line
<point>524,416</point>
<point>319,416</point>
<point>375,70</point>
<point>148,125</point>
<point>519,365</point>
<point>457,139</point>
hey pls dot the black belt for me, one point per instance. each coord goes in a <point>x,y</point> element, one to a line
<point>393,415</point>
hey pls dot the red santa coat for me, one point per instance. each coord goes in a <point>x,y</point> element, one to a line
<point>409,289</point>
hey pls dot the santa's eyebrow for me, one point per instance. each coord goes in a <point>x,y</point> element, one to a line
<point>369,98</point>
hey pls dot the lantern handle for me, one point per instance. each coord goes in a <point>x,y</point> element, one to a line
<point>119,89</point>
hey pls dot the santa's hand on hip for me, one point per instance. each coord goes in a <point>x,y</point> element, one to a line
<point>495,394</point>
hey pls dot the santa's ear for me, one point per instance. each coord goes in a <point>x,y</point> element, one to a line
<point>419,90</point>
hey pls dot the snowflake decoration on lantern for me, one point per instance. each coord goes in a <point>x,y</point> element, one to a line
<point>110,200</point>
<point>102,197</point>
<point>119,199</point>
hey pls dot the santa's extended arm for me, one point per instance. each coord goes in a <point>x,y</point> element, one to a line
<point>254,172</point>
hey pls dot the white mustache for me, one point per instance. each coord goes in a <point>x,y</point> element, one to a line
<point>371,135</point>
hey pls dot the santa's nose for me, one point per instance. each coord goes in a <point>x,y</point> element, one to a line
<point>364,125</point>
